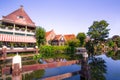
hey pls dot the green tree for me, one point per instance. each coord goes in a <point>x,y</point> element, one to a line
<point>40,36</point>
<point>111,43</point>
<point>116,39</point>
<point>98,31</point>
<point>90,48</point>
<point>47,51</point>
<point>81,37</point>
<point>72,44</point>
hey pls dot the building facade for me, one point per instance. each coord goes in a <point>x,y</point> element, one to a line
<point>17,32</point>
<point>58,40</point>
<point>50,35</point>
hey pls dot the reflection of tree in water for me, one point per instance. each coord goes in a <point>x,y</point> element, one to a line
<point>115,55</point>
<point>35,75</point>
<point>97,69</point>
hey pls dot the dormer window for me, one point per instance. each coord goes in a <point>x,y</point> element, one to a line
<point>20,17</point>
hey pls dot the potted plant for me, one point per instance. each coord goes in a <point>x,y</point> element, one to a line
<point>16,28</point>
<point>33,30</point>
<point>10,27</point>
<point>23,29</point>
<point>2,26</point>
<point>28,30</point>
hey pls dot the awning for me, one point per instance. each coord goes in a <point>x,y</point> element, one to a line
<point>15,38</point>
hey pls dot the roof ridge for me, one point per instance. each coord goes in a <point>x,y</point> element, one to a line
<point>15,15</point>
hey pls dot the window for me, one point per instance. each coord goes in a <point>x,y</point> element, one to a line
<point>19,34</point>
<point>6,32</point>
<point>20,17</point>
<point>30,35</point>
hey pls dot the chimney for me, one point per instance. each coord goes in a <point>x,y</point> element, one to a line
<point>21,7</point>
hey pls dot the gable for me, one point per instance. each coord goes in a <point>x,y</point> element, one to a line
<point>19,16</point>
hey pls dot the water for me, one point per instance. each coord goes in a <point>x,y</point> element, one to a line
<point>104,68</point>
<point>61,70</point>
<point>113,68</point>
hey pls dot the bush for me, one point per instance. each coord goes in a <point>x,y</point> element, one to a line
<point>55,52</point>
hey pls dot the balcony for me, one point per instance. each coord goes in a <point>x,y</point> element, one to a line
<point>4,28</point>
<point>19,49</point>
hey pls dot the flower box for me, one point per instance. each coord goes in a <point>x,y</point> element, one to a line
<point>33,30</point>
<point>22,29</point>
<point>10,27</point>
<point>2,26</point>
<point>17,28</point>
<point>28,30</point>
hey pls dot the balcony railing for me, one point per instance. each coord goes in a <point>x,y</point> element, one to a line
<point>16,29</point>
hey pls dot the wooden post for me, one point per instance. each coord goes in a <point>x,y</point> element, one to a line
<point>16,68</point>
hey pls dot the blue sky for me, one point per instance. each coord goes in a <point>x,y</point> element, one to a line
<point>67,16</point>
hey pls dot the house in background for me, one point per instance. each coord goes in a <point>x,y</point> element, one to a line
<point>17,32</point>
<point>68,37</point>
<point>50,35</point>
<point>58,40</point>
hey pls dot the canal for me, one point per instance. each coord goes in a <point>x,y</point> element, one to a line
<point>101,67</point>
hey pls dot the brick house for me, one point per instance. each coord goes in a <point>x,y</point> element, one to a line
<point>68,37</point>
<point>17,32</point>
<point>58,40</point>
<point>50,35</point>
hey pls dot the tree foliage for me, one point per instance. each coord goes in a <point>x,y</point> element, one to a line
<point>116,39</point>
<point>48,51</point>
<point>98,31</point>
<point>81,37</point>
<point>40,36</point>
<point>73,42</point>
<point>111,43</point>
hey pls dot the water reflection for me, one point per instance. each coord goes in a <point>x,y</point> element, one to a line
<point>102,67</point>
<point>97,68</point>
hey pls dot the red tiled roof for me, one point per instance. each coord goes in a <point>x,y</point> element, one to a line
<point>19,16</point>
<point>14,38</point>
<point>69,37</point>
<point>49,32</point>
<point>57,37</point>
